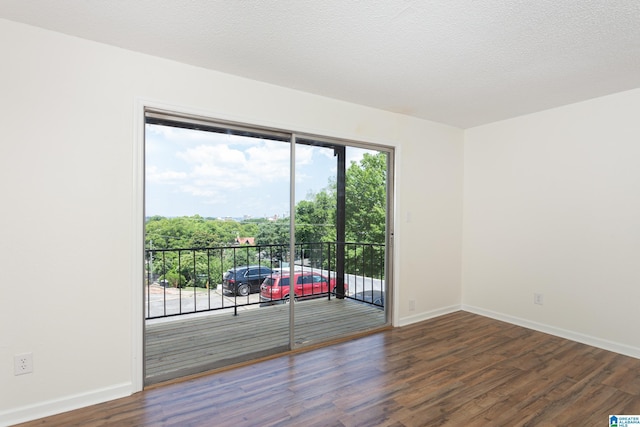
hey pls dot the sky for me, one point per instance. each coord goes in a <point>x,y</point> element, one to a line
<point>191,172</point>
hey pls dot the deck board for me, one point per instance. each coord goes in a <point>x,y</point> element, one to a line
<point>176,347</point>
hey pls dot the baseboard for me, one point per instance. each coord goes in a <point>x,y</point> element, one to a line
<point>624,349</point>
<point>428,315</point>
<point>57,406</point>
<point>64,404</point>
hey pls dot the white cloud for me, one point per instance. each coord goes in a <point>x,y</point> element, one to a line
<point>223,166</point>
<point>219,154</point>
<point>166,177</point>
<point>235,174</point>
<point>195,190</point>
<point>180,135</point>
<point>355,154</point>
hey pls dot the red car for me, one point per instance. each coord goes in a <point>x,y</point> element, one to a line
<point>309,284</point>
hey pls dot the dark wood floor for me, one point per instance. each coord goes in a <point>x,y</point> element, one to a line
<point>456,370</point>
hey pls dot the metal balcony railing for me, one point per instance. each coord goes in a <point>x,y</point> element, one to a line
<point>190,280</point>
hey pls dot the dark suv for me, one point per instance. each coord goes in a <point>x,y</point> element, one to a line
<point>245,280</point>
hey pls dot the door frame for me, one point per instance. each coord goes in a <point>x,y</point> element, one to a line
<point>141,105</point>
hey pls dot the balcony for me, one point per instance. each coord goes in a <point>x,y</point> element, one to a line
<point>191,329</point>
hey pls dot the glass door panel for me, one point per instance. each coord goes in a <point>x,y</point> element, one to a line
<point>340,240</point>
<point>216,227</point>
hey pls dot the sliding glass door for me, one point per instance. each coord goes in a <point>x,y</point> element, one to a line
<point>258,241</point>
<point>340,238</point>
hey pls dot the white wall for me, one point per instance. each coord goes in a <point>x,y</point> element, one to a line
<point>429,261</point>
<point>68,111</point>
<point>552,206</point>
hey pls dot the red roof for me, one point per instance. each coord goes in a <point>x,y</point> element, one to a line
<point>246,240</point>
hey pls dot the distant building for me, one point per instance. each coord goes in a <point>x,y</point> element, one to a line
<point>245,241</point>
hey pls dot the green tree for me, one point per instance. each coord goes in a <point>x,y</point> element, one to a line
<point>316,219</point>
<point>203,237</point>
<point>366,199</point>
<point>174,279</point>
<point>229,231</point>
<point>273,232</point>
<point>249,229</point>
<point>273,237</point>
<point>315,226</point>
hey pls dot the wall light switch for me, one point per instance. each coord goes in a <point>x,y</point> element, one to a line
<point>537,299</point>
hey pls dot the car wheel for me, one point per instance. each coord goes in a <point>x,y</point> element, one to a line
<point>243,290</point>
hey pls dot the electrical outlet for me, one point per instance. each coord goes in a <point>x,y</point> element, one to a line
<point>537,299</point>
<point>412,304</point>
<point>23,363</point>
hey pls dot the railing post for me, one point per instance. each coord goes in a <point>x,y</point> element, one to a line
<point>340,220</point>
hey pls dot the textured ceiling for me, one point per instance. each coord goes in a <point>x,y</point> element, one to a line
<point>460,62</point>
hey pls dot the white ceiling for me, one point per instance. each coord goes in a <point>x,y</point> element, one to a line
<point>460,62</point>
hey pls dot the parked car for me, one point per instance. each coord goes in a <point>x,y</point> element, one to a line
<point>308,284</point>
<point>244,280</point>
<point>370,296</point>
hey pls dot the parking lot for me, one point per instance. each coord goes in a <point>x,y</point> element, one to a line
<point>167,301</point>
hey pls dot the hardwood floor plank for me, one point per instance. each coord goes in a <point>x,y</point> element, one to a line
<point>458,369</point>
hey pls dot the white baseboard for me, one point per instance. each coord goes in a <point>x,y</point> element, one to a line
<point>428,315</point>
<point>624,349</point>
<point>68,403</point>
<point>64,404</point>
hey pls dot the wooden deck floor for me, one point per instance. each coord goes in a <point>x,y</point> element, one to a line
<point>176,347</point>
